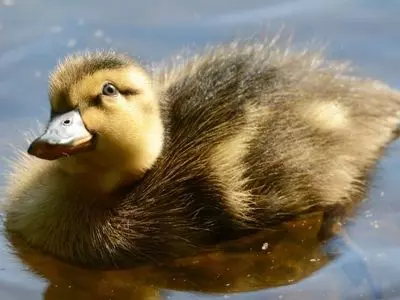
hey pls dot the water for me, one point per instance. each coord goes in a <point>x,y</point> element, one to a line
<point>35,34</point>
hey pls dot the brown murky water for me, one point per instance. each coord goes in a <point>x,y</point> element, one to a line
<point>289,262</point>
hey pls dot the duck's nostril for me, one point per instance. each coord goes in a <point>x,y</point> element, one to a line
<point>67,122</point>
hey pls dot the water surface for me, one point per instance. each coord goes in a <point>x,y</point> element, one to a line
<point>35,34</point>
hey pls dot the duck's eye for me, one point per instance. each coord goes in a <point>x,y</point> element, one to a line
<point>109,90</point>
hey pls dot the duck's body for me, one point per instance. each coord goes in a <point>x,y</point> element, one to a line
<point>246,137</point>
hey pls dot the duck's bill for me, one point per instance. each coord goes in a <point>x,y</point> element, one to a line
<point>65,135</point>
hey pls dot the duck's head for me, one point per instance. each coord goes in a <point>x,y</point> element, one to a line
<point>104,116</point>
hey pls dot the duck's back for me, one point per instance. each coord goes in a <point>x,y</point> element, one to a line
<point>281,133</point>
<point>253,136</point>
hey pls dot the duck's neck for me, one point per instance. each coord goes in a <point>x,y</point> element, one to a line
<point>102,180</point>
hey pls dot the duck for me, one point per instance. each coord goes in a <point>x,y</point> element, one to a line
<point>144,164</point>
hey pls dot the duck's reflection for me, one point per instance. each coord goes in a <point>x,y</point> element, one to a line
<point>280,256</point>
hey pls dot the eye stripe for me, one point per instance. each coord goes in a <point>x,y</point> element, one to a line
<point>130,92</point>
<point>92,101</point>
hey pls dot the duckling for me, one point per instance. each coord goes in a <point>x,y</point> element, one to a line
<point>145,165</point>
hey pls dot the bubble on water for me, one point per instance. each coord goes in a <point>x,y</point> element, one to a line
<point>264,246</point>
<point>368,214</point>
<point>381,254</point>
<point>314,259</point>
<point>375,224</point>
<point>98,33</point>
<point>8,3</point>
<point>71,43</point>
<point>38,74</point>
<point>56,29</point>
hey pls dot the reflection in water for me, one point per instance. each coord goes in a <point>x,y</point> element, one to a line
<point>275,257</point>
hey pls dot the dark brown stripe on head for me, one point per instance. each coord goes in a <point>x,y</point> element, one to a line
<point>79,65</point>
